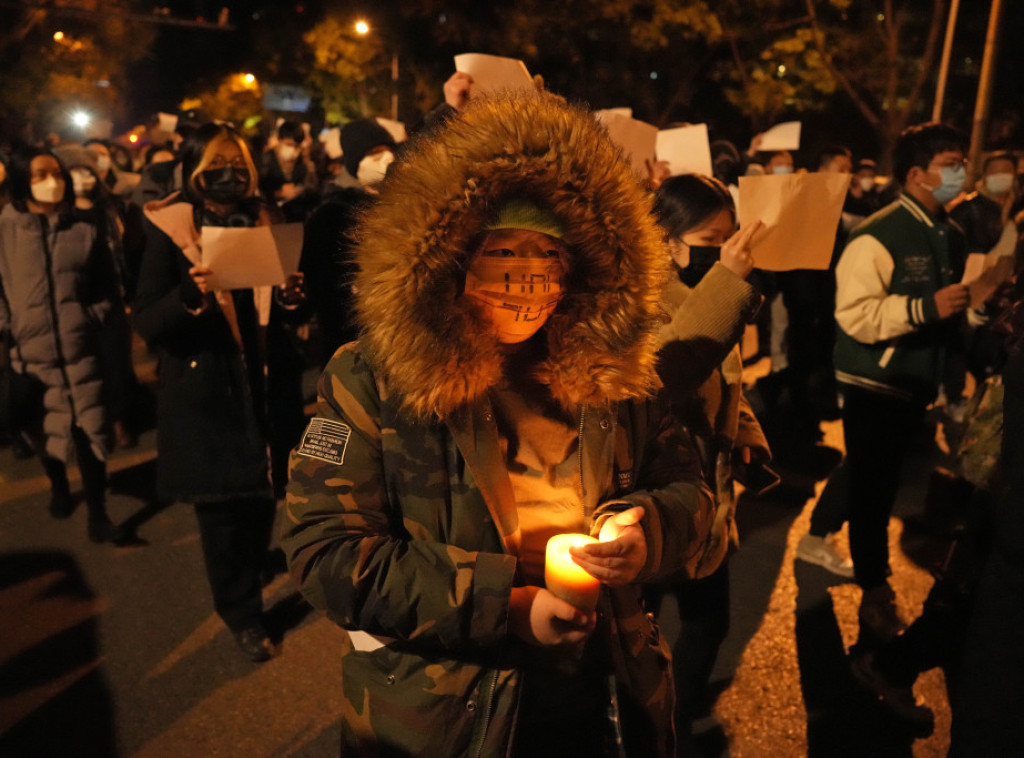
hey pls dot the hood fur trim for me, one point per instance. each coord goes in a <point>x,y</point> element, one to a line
<point>412,247</point>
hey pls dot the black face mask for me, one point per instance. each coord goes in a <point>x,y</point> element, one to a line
<point>162,172</point>
<point>702,258</point>
<point>225,185</point>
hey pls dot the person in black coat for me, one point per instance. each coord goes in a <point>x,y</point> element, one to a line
<point>224,394</point>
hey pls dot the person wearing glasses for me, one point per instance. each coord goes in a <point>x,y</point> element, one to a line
<point>897,299</point>
<point>222,354</point>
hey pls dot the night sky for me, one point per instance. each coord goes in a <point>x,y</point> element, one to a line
<point>188,60</point>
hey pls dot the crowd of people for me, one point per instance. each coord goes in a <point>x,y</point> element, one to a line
<point>519,338</point>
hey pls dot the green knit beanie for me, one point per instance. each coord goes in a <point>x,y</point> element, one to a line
<point>520,213</point>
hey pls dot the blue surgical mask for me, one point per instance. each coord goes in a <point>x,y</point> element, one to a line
<point>953,179</point>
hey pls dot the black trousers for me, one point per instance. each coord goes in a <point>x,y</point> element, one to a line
<point>877,430</point>
<point>235,536</point>
<point>704,613</point>
<point>93,470</point>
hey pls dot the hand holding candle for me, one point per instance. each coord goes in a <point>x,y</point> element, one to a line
<point>621,553</point>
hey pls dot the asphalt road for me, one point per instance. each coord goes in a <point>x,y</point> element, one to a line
<point>115,651</point>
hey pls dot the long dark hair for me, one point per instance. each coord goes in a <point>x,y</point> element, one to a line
<point>685,202</point>
<point>19,178</point>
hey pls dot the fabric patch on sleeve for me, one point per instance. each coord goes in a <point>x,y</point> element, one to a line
<point>325,440</point>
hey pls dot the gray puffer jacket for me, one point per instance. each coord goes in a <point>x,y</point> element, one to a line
<point>57,288</point>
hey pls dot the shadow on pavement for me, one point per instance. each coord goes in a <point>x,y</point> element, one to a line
<point>843,719</point>
<point>53,693</point>
<point>286,614</point>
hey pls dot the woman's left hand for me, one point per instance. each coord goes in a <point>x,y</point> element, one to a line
<point>622,552</point>
<point>293,291</point>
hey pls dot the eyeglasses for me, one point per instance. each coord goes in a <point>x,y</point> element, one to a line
<point>219,161</point>
<point>951,164</point>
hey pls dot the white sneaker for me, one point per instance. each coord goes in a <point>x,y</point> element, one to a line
<point>822,552</point>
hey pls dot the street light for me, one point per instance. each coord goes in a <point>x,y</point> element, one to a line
<point>249,78</point>
<point>362,29</point>
<point>80,119</point>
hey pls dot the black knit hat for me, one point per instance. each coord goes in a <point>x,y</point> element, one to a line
<point>360,137</point>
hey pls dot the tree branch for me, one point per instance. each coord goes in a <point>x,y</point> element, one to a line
<point>930,50</point>
<point>862,105</point>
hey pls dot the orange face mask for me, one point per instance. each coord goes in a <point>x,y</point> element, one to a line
<point>516,295</point>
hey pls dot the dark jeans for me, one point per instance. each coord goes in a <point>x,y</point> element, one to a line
<point>235,537</point>
<point>877,430</point>
<point>93,470</point>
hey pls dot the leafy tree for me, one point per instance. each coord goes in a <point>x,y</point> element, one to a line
<point>64,54</point>
<point>237,98</point>
<point>350,72</point>
<point>880,55</point>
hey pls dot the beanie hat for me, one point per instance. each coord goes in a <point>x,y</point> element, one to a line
<point>520,213</point>
<point>360,137</point>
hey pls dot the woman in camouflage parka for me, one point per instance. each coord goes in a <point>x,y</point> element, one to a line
<point>406,519</point>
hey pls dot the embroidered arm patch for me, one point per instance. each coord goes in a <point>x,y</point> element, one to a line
<point>325,440</point>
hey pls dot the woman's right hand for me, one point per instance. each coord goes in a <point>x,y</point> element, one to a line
<point>199,274</point>
<point>456,89</point>
<point>539,618</point>
<point>735,253</point>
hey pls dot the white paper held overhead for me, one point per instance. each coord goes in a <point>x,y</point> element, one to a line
<point>784,136</point>
<point>686,150</point>
<point>637,139</point>
<point>493,73</point>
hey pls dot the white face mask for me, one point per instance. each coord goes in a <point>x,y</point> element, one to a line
<point>288,152</point>
<point>999,184</point>
<point>50,190</point>
<point>867,183</point>
<point>372,168</point>
<point>782,169</point>
<point>103,162</point>
<point>83,180</point>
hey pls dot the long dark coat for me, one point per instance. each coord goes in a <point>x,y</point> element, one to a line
<point>213,426</point>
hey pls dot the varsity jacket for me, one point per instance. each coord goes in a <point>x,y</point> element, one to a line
<point>890,338</point>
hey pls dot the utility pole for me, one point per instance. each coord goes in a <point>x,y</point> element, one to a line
<point>947,49</point>
<point>981,105</point>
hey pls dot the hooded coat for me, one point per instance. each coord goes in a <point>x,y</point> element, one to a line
<point>401,523</point>
<point>57,292</point>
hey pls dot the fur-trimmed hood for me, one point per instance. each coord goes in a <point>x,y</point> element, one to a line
<point>426,341</point>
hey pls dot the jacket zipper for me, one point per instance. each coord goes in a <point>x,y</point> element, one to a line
<point>488,711</point>
<point>44,228</point>
<point>579,457</point>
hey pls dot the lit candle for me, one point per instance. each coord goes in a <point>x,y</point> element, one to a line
<point>565,578</point>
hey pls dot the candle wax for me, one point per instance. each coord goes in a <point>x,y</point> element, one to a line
<point>566,579</point>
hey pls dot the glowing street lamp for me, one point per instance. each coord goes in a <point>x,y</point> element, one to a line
<point>249,78</point>
<point>362,29</point>
<point>58,36</point>
<point>80,119</point>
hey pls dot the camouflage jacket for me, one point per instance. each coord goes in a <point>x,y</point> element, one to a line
<point>405,534</point>
<point>401,520</point>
